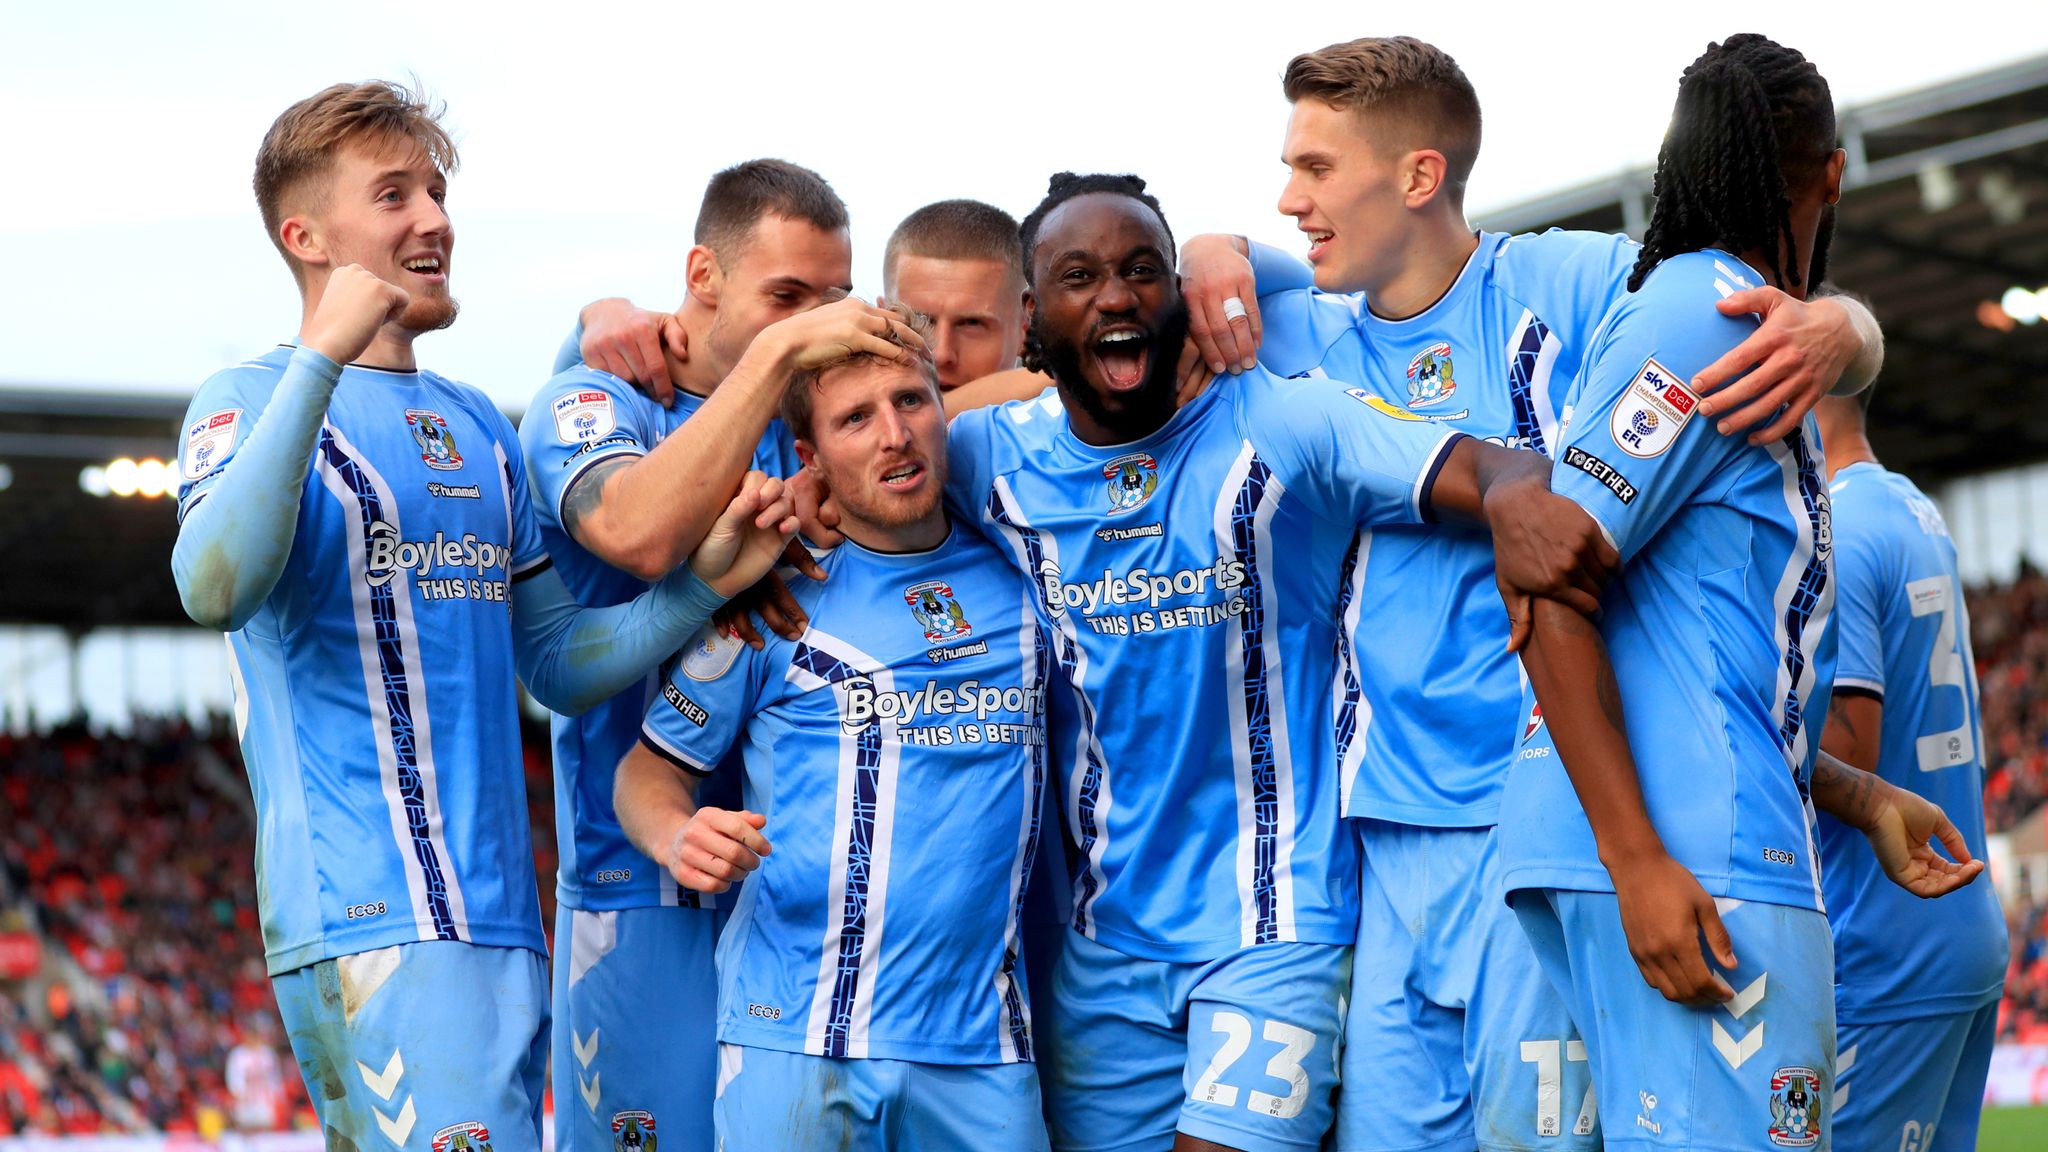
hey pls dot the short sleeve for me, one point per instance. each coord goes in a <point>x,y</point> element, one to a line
<point>1568,279</point>
<point>217,424</point>
<point>1633,454</point>
<point>576,420</point>
<point>970,468</point>
<point>1351,456</point>
<point>707,694</point>
<point>1861,586</point>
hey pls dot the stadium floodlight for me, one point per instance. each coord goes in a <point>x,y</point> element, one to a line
<point>92,480</point>
<point>151,478</point>
<point>121,476</point>
<point>2021,305</point>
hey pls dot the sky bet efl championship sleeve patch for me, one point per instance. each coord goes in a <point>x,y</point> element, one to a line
<point>208,439</point>
<point>1652,412</point>
<point>583,415</point>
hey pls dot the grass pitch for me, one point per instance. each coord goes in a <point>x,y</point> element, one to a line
<point>2013,1130</point>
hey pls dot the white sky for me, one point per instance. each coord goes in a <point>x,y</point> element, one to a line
<point>131,255</point>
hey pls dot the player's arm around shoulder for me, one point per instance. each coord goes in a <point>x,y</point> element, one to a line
<point>583,428</point>
<point>1349,455</point>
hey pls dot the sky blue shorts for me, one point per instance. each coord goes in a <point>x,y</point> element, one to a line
<point>1241,1051</point>
<point>1914,1085</point>
<point>773,1101</point>
<point>636,1028</point>
<point>1755,1073</point>
<point>435,1046</point>
<point>1453,1036</point>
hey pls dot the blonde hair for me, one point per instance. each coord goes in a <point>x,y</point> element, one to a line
<point>797,397</point>
<point>303,142</point>
<point>1413,92</point>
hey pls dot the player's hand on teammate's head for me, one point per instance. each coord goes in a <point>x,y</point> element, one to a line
<point>748,536</point>
<point>1901,832</point>
<point>842,327</point>
<point>1798,354</point>
<point>817,514</point>
<point>1667,916</point>
<point>639,346</point>
<point>353,307</point>
<point>716,848</point>
<point>1212,271</point>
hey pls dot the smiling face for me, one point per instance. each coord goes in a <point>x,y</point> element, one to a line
<point>976,309</point>
<point>1344,191</point>
<point>1108,315</point>
<point>877,438</point>
<point>381,204</point>
<point>784,267</point>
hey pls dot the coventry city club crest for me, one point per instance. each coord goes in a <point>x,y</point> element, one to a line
<point>1429,376</point>
<point>1795,1108</point>
<point>933,604</point>
<point>633,1131</point>
<point>437,444</point>
<point>1132,480</point>
<point>468,1136</point>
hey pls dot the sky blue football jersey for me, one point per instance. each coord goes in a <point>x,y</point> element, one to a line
<point>1429,715</point>
<point>1718,625</point>
<point>374,693</point>
<point>578,419</point>
<point>1190,581</point>
<point>1904,636</point>
<point>898,752</point>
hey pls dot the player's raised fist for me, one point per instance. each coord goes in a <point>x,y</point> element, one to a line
<point>845,327</point>
<point>353,306</point>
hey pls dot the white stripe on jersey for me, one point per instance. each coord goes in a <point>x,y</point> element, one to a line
<point>1809,635</point>
<point>1085,742</point>
<point>1276,705</point>
<point>875,900</point>
<point>1354,753</point>
<point>240,689</point>
<point>1027,642</point>
<point>380,712</point>
<point>1539,377</point>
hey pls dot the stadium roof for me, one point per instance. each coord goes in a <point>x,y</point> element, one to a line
<point>1944,209</point>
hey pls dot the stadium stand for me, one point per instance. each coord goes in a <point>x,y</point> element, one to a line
<point>133,996</point>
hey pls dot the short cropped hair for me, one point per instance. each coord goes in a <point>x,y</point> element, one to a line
<point>803,384</point>
<point>955,230</point>
<point>1412,91</point>
<point>740,196</point>
<point>303,142</point>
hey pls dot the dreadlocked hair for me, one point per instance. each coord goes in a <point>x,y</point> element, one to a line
<point>1064,186</point>
<point>1752,118</point>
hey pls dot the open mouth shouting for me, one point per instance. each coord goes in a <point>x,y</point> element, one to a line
<point>905,477</point>
<point>1318,242</point>
<point>1122,353</point>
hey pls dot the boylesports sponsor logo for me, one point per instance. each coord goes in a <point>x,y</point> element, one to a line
<point>1602,471</point>
<point>1139,587</point>
<point>387,555</point>
<point>864,703</point>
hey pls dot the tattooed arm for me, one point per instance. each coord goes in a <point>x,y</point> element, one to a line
<point>1855,728</point>
<point>1898,823</point>
<point>1663,908</point>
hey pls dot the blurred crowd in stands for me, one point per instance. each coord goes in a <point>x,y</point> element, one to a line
<point>133,995</point>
